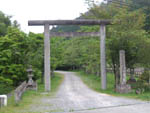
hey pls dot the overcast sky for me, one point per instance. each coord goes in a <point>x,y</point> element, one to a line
<point>24,10</point>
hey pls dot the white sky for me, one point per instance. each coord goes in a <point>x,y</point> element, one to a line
<point>24,10</point>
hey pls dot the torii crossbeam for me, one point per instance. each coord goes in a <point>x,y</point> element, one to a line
<point>47,23</point>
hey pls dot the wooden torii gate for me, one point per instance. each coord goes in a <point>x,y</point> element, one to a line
<point>47,35</point>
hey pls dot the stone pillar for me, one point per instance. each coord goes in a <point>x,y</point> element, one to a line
<point>123,87</point>
<point>47,58</point>
<point>122,68</point>
<point>103,56</point>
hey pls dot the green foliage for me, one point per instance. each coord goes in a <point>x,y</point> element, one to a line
<point>18,51</point>
<point>56,52</point>
<point>63,28</point>
<point>35,53</point>
<point>144,5</point>
<point>144,81</point>
<point>12,56</point>
<point>127,34</point>
<point>144,53</point>
<point>5,85</point>
<point>4,23</point>
<point>78,53</point>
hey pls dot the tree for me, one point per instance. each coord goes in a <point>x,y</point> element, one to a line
<point>18,51</point>
<point>12,56</point>
<point>126,33</point>
<point>4,23</point>
<point>144,5</point>
<point>16,24</point>
<point>35,54</point>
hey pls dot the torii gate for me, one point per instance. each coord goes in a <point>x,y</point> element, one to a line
<point>102,34</point>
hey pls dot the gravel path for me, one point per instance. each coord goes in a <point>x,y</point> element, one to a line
<point>74,96</point>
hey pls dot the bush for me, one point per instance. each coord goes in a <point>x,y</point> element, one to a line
<point>143,81</point>
<point>5,85</point>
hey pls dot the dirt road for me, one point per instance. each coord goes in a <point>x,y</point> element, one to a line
<point>74,96</point>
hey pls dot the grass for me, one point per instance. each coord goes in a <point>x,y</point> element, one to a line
<point>30,97</point>
<point>94,83</point>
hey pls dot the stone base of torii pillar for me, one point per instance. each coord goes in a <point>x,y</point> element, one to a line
<point>123,87</point>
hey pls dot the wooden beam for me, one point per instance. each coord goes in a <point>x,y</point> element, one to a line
<point>68,22</point>
<point>75,34</point>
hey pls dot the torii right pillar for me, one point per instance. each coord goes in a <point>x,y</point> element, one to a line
<point>103,56</point>
<point>47,77</point>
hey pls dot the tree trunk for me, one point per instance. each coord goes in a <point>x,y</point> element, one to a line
<point>117,74</point>
<point>149,77</point>
<point>42,78</point>
<point>52,73</point>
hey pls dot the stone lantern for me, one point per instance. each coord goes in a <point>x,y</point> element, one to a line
<point>30,75</point>
<point>31,85</point>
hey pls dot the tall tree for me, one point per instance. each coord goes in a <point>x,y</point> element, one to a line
<point>125,33</point>
<point>4,23</point>
<point>145,6</point>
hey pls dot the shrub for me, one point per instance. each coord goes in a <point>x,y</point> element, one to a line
<point>143,81</point>
<point>5,85</point>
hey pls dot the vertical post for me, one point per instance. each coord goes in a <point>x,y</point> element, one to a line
<point>47,57</point>
<point>103,56</point>
<point>122,68</point>
<point>3,100</point>
<point>123,87</point>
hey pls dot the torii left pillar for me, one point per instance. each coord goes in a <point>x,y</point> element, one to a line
<point>47,76</point>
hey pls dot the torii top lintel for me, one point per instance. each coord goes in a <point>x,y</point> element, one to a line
<point>68,22</point>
